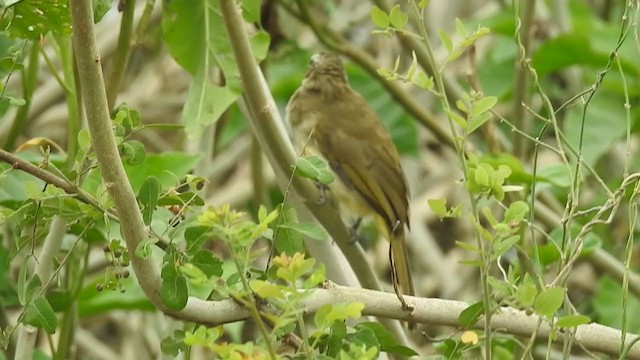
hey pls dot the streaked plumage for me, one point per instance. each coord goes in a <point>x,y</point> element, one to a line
<point>347,133</point>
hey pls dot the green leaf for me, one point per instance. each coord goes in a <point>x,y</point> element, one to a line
<point>35,18</point>
<point>549,301</point>
<point>571,321</point>
<point>483,105</point>
<point>174,292</point>
<point>15,101</point>
<point>470,316</point>
<point>340,312</point>
<point>314,167</point>
<point>168,167</point>
<point>438,206</point>
<point>133,152</point>
<point>605,123</point>
<point>398,18</point>
<point>209,264</point>
<point>309,229</point>
<point>205,103</point>
<point>173,345</point>
<point>516,212</point>
<point>379,17</point>
<point>100,8</point>
<point>527,291</point>
<point>446,40</point>
<point>266,290</point>
<point>195,236</point>
<point>476,121</point>
<point>287,241</point>
<point>607,304</point>
<point>196,37</point>
<point>461,30</point>
<point>148,196</point>
<point>386,340</point>
<point>423,80</point>
<point>365,336</point>
<point>566,50</point>
<point>40,314</point>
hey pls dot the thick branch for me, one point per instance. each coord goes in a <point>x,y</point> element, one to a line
<point>95,101</point>
<point>594,337</point>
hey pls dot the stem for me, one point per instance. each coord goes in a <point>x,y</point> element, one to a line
<point>29,82</point>
<point>27,334</point>
<point>253,308</point>
<point>257,175</point>
<point>74,124</point>
<point>123,50</point>
<point>442,93</point>
<point>520,116</point>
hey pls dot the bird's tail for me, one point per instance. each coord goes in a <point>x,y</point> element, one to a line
<point>400,271</point>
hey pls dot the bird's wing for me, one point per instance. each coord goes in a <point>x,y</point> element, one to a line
<point>361,153</point>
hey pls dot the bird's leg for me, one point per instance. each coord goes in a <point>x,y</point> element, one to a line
<point>396,284</point>
<point>353,230</point>
<point>322,191</point>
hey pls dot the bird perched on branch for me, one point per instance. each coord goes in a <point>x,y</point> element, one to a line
<point>330,120</point>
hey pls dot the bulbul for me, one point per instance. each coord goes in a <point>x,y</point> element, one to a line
<point>330,120</point>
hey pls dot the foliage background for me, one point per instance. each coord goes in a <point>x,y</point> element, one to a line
<point>177,51</point>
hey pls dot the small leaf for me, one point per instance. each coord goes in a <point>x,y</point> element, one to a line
<point>287,241</point>
<point>195,236</point>
<point>40,314</point>
<point>84,139</point>
<point>379,17</point>
<point>457,118</point>
<point>476,121</point>
<point>461,30</point>
<point>446,40</point>
<point>174,344</point>
<point>469,316</point>
<point>516,212</point>
<point>209,264</point>
<point>571,321</point>
<point>314,167</point>
<point>483,105</point>
<point>174,291</point>
<point>423,80</point>
<point>15,101</point>
<point>481,177</point>
<point>549,301</point>
<point>266,290</point>
<point>438,206</point>
<point>308,229</point>
<point>386,340</point>
<point>133,151</point>
<point>526,293</point>
<point>148,196</point>
<point>398,18</point>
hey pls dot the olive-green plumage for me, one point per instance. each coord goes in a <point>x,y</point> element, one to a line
<point>331,120</point>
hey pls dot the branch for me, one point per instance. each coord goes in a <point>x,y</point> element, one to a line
<point>94,97</point>
<point>594,337</point>
<point>49,178</point>
<point>123,51</point>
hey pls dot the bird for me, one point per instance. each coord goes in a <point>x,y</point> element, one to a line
<point>327,118</point>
